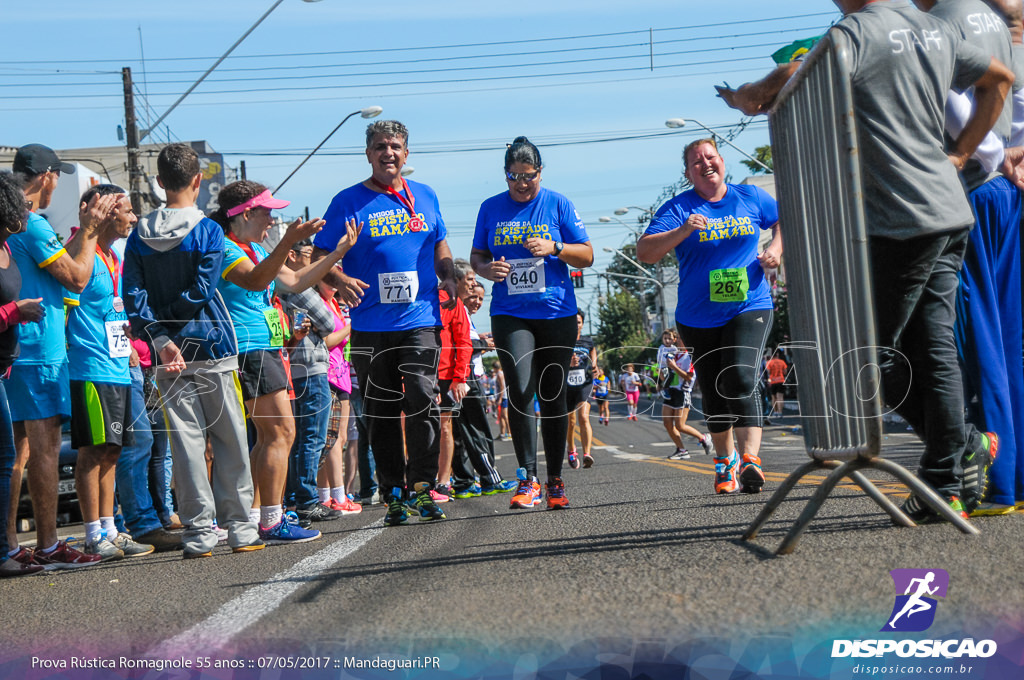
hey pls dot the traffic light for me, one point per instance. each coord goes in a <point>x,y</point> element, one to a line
<point>577,278</point>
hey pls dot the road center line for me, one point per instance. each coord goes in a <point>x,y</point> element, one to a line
<point>213,634</point>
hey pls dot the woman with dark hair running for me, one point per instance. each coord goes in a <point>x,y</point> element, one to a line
<point>247,284</point>
<point>725,314</point>
<point>526,239</point>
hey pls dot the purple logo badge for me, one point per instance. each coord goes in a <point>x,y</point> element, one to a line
<point>916,590</point>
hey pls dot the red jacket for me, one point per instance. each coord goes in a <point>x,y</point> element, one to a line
<point>456,347</point>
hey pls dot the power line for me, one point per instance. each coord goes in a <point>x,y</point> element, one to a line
<point>393,50</point>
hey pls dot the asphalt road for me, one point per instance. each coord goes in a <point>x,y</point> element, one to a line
<point>646,558</point>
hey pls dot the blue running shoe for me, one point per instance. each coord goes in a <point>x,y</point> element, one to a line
<point>469,492</point>
<point>504,486</point>
<point>428,509</point>
<point>285,532</point>
<point>397,513</point>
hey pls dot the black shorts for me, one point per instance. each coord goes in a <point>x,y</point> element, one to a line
<point>600,400</point>
<point>574,396</point>
<point>261,372</point>
<point>778,388</point>
<point>677,399</point>
<point>101,413</point>
<point>447,405</point>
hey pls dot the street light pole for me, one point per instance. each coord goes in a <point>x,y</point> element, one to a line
<point>681,122</point>
<point>368,112</point>
<point>662,312</point>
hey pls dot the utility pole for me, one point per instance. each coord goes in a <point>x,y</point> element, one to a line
<point>132,141</point>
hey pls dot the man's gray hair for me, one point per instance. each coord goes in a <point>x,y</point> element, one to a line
<point>462,267</point>
<point>386,128</point>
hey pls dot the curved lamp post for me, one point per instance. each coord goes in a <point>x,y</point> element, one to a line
<point>368,112</point>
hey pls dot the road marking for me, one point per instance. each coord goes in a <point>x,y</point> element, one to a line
<point>619,453</point>
<point>216,632</point>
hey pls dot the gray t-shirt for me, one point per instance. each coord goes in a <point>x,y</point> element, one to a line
<point>904,64</point>
<point>977,24</point>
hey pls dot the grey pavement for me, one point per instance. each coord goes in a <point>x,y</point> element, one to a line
<point>646,553</point>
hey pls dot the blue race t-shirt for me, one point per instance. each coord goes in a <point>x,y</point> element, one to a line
<point>395,261</point>
<point>98,349</point>
<point>257,323</point>
<point>601,386</point>
<point>714,262</point>
<point>34,249</point>
<point>537,287</point>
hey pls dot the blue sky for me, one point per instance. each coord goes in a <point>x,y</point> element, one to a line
<point>459,74</point>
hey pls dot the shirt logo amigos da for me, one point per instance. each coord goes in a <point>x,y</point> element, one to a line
<point>720,228</point>
<point>394,222</point>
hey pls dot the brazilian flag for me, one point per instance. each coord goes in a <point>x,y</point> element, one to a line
<point>795,50</point>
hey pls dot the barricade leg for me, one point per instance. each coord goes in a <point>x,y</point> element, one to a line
<point>780,495</point>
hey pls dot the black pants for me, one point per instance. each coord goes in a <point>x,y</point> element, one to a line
<point>398,374</point>
<point>728,362</point>
<point>915,283</point>
<point>474,445</point>
<point>535,355</point>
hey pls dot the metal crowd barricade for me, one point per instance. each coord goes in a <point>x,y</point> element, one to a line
<point>821,210</point>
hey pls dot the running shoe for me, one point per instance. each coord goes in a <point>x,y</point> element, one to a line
<point>289,516</point>
<point>471,491</point>
<point>588,460</point>
<point>751,475</point>
<point>106,550</point>
<point>441,494</point>
<point>318,512</point>
<point>285,532</point>
<point>64,557</point>
<point>527,492</point>
<point>555,492</point>
<point>708,445</point>
<point>189,555</point>
<point>679,454</point>
<point>726,473</point>
<point>504,486</point>
<point>992,509</point>
<point>922,513</point>
<point>574,460</point>
<point>397,513</point>
<point>10,567</point>
<point>976,463</point>
<point>425,503</point>
<point>345,507</point>
<point>130,547</point>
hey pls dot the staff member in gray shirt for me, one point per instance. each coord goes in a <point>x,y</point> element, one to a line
<point>904,63</point>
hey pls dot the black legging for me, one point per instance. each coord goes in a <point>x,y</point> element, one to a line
<point>727,360</point>
<point>535,355</point>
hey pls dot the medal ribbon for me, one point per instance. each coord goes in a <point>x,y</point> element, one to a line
<point>409,203</point>
<point>112,266</point>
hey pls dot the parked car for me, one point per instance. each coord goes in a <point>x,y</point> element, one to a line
<point>68,511</point>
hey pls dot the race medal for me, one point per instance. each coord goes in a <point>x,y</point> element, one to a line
<point>398,287</point>
<point>118,345</point>
<point>274,326</point>
<point>527,276</point>
<point>729,285</point>
<point>415,223</point>
<point>118,304</point>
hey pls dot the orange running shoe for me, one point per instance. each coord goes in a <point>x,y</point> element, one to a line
<point>751,475</point>
<point>726,474</point>
<point>527,493</point>
<point>556,494</point>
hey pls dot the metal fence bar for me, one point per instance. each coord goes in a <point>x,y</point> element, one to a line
<point>821,210</point>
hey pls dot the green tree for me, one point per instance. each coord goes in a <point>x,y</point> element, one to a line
<point>620,332</point>
<point>763,154</point>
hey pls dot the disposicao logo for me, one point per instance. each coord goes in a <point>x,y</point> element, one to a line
<point>913,612</point>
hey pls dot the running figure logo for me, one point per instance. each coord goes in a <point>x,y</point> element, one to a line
<point>914,610</point>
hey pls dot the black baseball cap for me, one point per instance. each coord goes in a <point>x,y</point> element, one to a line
<point>35,159</point>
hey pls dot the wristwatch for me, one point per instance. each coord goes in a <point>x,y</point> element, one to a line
<point>558,248</point>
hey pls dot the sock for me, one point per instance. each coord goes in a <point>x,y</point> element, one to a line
<point>51,548</point>
<point>12,553</point>
<point>109,528</point>
<point>254,515</point>
<point>270,515</point>
<point>93,532</point>
<point>338,493</point>
<point>324,493</point>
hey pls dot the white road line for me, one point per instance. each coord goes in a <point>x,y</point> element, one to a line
<point>213,634</point>
<point>619,453</point>
<point>661,444</point>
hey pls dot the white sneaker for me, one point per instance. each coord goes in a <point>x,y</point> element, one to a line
<point>709,447</point>
<point>105,549</point>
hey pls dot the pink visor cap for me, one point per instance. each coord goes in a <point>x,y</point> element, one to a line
<point>264,200</point>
